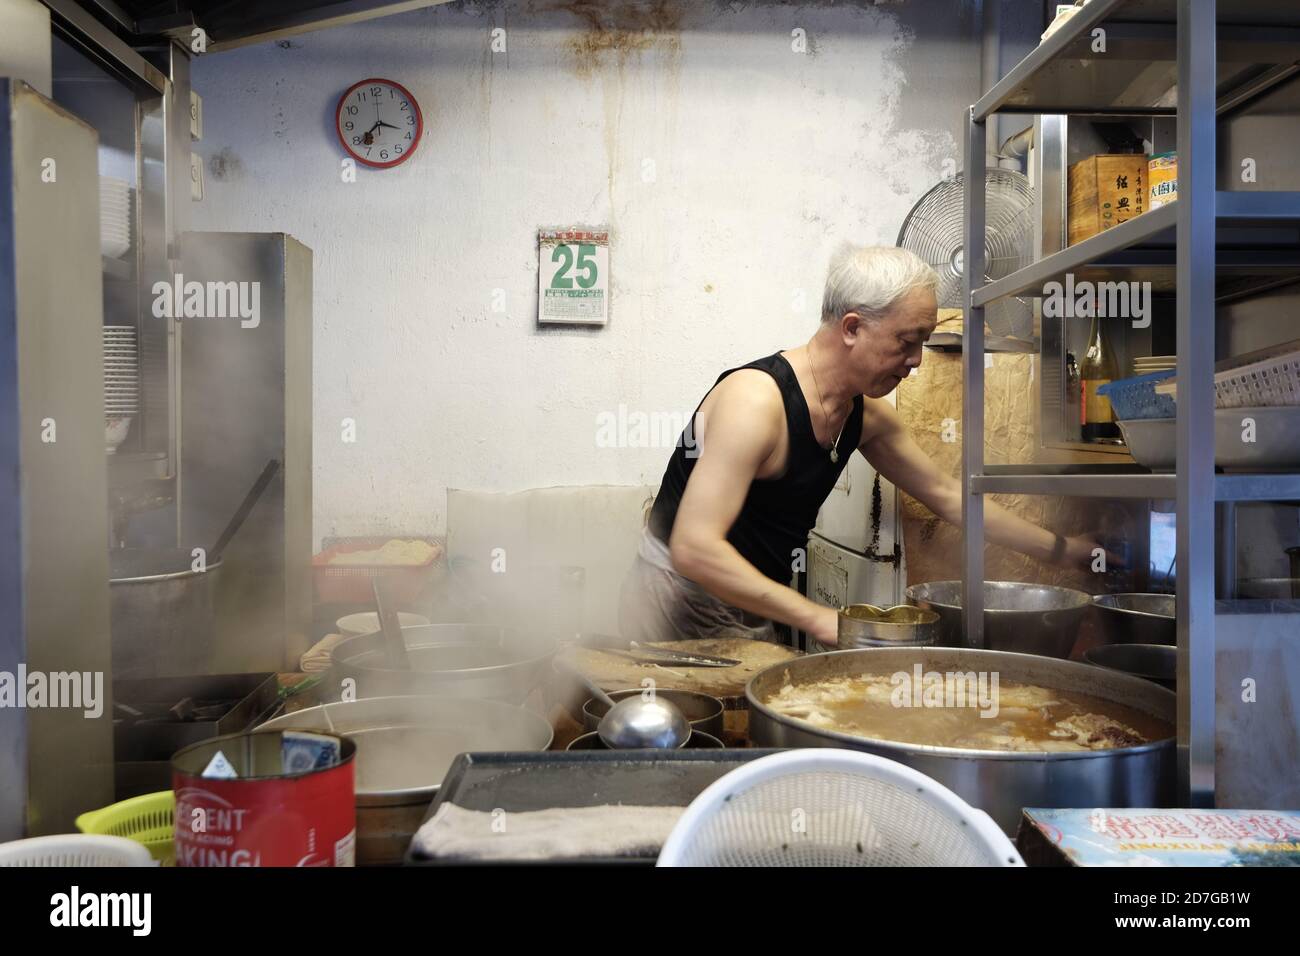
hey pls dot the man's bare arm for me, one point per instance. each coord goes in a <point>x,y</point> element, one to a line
<point>898,458</point>
<point>744,427</point>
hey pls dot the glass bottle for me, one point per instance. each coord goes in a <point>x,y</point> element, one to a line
<point>1097,368</point>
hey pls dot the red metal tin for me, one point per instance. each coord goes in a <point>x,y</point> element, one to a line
<point>263,817</point>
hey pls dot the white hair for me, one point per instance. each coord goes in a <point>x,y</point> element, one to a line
<point>870,279</point>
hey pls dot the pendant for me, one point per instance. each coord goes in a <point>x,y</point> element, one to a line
<point>835,456</point>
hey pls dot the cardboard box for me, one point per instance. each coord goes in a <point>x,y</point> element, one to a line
<point>1104,192</point>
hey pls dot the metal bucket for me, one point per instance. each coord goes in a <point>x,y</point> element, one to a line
<point>1001,783</point>
<point>405,746</point>
<point>263,817</point>
<point>162,620</point>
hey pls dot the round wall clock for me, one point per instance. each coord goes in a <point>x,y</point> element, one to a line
<point>378,122</point>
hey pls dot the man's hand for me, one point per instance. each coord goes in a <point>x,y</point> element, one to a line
<point>1081,550</point>
<point>826,628</point>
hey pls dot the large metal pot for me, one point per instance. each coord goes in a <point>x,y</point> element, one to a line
<point>457,661</point>
<point>162,621</point>
<point>1000,783</point>
<point>404,747</point>
<point>1021,618</point>
<point>1137,618</point>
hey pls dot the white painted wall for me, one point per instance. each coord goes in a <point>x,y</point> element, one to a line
<point>764,160</point>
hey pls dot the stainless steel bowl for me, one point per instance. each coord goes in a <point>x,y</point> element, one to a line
<point>698,740</point>
<point>1269,589</point>
<point>1020,618</point>
<point>865,625</point>
<point>1153,662</point>
<point>1137,618</point>
<point>1001,783</point>
<point>702,712</point>
<point>460,661</point>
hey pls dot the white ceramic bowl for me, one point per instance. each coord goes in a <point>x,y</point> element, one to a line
<point>367,622</point>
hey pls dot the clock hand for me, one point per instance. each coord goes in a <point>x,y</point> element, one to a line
<point>389,125</point>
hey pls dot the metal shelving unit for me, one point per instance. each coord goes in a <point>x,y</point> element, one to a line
<point>1151,46</point>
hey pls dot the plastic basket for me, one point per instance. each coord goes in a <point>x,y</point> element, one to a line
<point>1136,398</point>
<point>147,819</point>
<point>1266,378</point>
<point>831,807</point>
<point>74,849</point>
<point>1266,382</point>
<point>342,583</point>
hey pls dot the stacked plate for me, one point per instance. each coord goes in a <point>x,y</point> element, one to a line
<point>1154,363</point>
<point>114,216</point>
<point>121,383</point>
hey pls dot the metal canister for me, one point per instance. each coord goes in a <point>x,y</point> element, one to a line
<point>865,625</point>
<point>1162,179</point>
<point>263,816</point>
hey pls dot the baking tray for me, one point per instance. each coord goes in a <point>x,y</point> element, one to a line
<point>519,782</point>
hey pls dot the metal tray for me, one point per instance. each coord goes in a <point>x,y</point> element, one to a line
<point>520,782</point>
<point>250,695</point>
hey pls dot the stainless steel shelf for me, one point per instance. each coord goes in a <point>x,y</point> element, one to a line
<point>1256,207</point>
<point>1161,57</point>
<point>1246,487</point>
<point>1257,487</point>
<point>1079,486</point>
<point>1258,232</point>
<point>1086,254</point>
<point>1138,68</point>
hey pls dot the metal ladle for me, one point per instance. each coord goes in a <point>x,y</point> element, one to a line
<point>636,724</point>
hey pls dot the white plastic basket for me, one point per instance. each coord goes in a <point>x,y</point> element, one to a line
<point>75,849</point>
<point>827,807</point>
<point>1266,378</point>
<point>1267,382</point>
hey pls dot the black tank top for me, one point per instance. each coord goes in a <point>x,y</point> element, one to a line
<point>778,513</point>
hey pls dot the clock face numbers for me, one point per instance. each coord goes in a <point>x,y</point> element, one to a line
<point>379,123</point>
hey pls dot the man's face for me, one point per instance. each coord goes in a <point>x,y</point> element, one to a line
<point>885,350</point>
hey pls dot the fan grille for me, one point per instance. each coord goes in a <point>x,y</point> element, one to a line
<point>935,231</point>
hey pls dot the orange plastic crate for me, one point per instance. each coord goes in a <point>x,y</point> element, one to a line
<point>350,583</point>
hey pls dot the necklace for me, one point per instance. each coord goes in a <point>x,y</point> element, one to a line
<point>821,404</point>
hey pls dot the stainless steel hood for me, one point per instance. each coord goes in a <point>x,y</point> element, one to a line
<point>228,23</point>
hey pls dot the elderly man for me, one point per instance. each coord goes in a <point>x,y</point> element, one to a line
<point>767,444</point>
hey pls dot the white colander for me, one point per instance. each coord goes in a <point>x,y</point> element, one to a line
<point>825,807</point>
<point>74,849</point>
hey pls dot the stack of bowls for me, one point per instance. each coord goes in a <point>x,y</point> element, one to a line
<point>114,216</point>
<point>121,383</point>
<point>1146,364</point>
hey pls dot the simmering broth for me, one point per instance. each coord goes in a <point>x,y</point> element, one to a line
<point>966,713</point>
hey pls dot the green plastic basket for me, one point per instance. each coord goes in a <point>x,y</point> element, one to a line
<point>146,819</point>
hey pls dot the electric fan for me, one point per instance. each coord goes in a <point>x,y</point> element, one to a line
<point>935,231</point>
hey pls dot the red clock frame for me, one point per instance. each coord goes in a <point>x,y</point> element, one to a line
<point>419,122</point>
